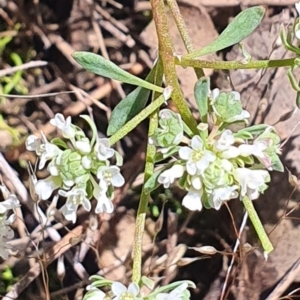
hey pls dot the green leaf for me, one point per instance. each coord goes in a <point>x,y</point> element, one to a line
<point>254,130</point>
<point>241,26</point>
<point>103,67</point>
<point>130,106</point>
<point>202,90</point>
<point>245,135</point>
<point>152,183</point>
<point>59,142</point>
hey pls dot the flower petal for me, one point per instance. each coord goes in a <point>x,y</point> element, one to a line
<point>197,142</point>
<point>192,201</point>
<point>118,288</point>
<point>185,152</point>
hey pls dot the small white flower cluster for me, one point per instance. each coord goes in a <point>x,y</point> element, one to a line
<point>74,163</point>
<point>118,291</point>
<point>6,233</point>
<point>220,164</point>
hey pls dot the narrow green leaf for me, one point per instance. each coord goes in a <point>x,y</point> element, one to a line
<point>202,90</point>
<point>152,184</point>
<point>255,129</point>
<point>241,26</point>
<point>130,125</point>
<point>130,106</point>
<point>99,65</point>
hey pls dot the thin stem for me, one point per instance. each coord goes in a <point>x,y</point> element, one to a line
<point>260,231</point>
<point>183,31</point>
<point>234,65</point>
<point>130,125</point>
<point>166,52</point>
<point>143,204</point>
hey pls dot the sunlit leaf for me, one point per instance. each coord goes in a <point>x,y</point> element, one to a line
<point>202,90</point>
<point>103,67</point>
<point>241,26</point>
<point>130,106</point>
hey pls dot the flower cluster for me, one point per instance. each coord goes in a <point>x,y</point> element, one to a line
<point>6,233</point>
<point>223,160</point>
<point>118,291</point>
<point>79,167</point>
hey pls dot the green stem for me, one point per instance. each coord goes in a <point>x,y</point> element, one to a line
<point>166,52</point>
<point>137,120</point>
<point>234,65</point>
<point>260,231</point>
<point>143,204</point>
<point>183,31</point>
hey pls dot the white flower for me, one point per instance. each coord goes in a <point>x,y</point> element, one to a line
<point>87,162</point>
<point>10,203</point>
<point>195,182</point>
<point>251,181</point>
<point>104,204</point>
<point>75,197</point>
<point>103,150</point>
<point>50,151</point>
<point>83,146</point>
<point>198,158</point>
<point>64,125</point>
<point>219,195</point>
<point>6,233</point>
<point>111,176</point>
<point>224,145</point>
<point>120,291</point>
<point>33,143</point>
<point>167,177</point>
<point>255,149</point>
<point>94,293</point>
<point>45,187</point>
<point>176,294</point>
<point>192,200</point>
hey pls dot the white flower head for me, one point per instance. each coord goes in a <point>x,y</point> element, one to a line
<point>45,187</point>
<point>9,203</point>
<point>33,143</point>
<point>225,141</point>
<point>65,125</point>
<point>103,150</point>
<point>219,195</point>
<point>120,291</point>
<point>167,177</point>
<point>6,233</point>
<point>75,197</point>
<point>83,145</point>
<point>104,204</point>
<point>195,182</point>
<point>257,149</point>
<point>251,181</point>
<point>176,294</point>
<point>192,199</point>
<point>48,151</point>
<point>111,176</point>
<point>224,145</point>
<point>198,158</point>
